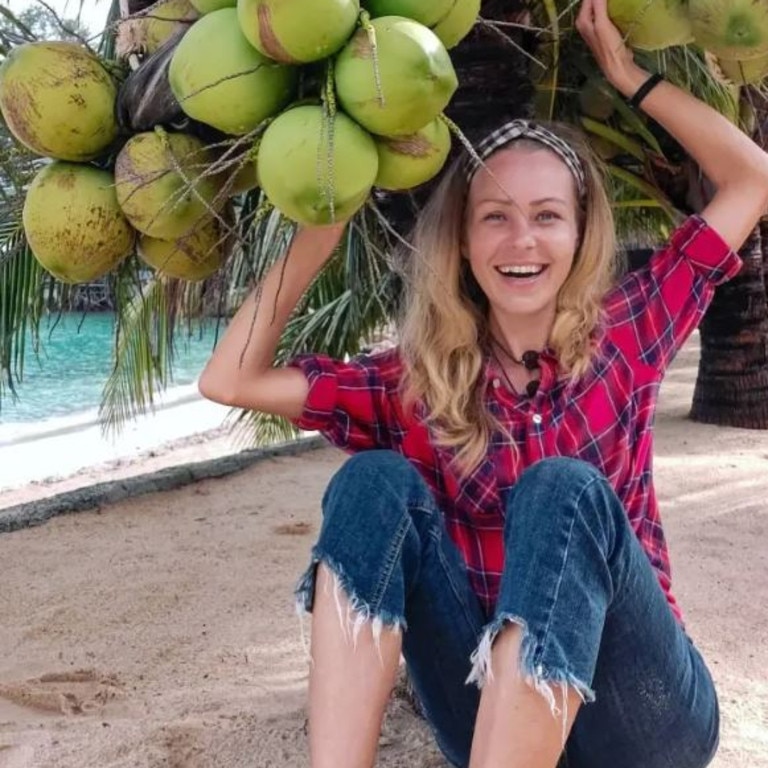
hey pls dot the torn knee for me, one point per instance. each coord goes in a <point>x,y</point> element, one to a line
<point>553,683</point>
<point>354,614</point>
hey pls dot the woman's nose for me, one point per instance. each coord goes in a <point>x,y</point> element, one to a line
<point>521,233</point>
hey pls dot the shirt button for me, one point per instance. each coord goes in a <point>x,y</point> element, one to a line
<point>496,383</point>
<point>537,418</point>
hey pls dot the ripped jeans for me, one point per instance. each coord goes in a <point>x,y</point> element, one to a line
<point>575,579</point>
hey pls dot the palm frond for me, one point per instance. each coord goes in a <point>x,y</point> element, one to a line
<point>143,352</point>
<point>642,213</point>
<point>107,37</point>
<point>21,279</point>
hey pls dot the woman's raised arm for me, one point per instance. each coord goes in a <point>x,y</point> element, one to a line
<point>240,372</point>
<point>735,165</point>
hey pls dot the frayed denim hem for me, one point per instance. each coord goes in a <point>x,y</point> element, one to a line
<point>541,679</point>
<point>356,614</point>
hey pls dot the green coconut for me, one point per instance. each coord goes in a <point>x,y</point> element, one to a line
<point>731,29</point>
<point>652,24</point>
<point>299,31</point>
<point>596,100</point>
<point>315,171</point>
<point>415,82</point>
<point>161,185</point>
<point>749,72</point>
<point>194,256</point>
<point>73,222</point>
<point>147,30</point>
<point>209,6</point>
<point>426,12</point>
<point>58,100</point>
<point>220,79</point>
<point>454,27</point>
<point>407,161</point>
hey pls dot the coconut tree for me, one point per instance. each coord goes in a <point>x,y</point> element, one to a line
<point>521,59</point>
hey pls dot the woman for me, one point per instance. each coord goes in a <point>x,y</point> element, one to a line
<point>497,522</point>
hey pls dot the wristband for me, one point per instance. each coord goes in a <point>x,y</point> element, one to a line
<point>645,89</point>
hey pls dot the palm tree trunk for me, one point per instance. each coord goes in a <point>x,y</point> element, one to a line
<point>732,384</point>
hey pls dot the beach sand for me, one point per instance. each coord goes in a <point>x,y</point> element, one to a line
<point>161,631</point>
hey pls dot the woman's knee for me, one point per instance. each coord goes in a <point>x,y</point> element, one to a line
<point>561,471</point>
<point>568,485</point>
<point>565,489</point>
<point>369,476</point>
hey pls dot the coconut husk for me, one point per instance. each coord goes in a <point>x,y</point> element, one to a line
<point>145,98</point>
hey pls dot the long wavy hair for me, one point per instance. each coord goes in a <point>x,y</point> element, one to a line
<point>444,321</point>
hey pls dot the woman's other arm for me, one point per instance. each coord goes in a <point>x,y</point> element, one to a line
<point>241,371</point>
<point>735,165</point>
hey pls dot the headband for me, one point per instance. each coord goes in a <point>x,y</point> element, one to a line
<point>524,129</point>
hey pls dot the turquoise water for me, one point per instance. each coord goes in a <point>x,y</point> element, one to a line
<point>75,362</point>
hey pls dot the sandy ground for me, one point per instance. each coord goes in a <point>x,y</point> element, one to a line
<point>161,631</point>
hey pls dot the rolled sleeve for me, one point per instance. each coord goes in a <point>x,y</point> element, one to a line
<point>352,404</point>
<point>706,251</point>
<point>654,310</point>
<point>321,400</point>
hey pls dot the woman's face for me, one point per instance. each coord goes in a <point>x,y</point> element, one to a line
<point>521,233</point>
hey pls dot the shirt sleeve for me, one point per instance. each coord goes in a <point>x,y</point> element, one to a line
<point>654,310</point>
<point>348,402</point>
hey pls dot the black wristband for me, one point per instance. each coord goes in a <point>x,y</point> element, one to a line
<point>645,89</point>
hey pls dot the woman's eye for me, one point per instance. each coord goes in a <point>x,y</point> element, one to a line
<point>494,216</point>
<point>547,216</point>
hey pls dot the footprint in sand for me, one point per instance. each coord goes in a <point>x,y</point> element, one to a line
<point>76,692</point>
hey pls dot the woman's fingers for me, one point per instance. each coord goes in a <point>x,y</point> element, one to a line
<point>603,38</point>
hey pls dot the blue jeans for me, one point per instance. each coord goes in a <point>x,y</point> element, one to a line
<point>576,580</point>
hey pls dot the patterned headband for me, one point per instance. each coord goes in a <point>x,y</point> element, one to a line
<point>523,129</point>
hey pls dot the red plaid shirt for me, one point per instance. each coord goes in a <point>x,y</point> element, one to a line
<point>605,417</point>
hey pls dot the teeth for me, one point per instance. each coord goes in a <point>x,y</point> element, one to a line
<point>522,270</point>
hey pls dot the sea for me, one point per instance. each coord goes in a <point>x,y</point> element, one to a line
<point>62,385</point>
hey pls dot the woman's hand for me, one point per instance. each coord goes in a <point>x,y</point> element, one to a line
<point>613,55</point>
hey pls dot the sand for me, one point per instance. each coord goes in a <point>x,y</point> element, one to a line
<point>161,631</point>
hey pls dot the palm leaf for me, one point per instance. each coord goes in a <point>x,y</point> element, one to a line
<point>21,279</point>
<point>143,353</point>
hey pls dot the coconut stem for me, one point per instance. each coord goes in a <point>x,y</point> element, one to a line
<point>188,183</point>
<point>467,144</point>
<point>365,23</point>
<point>459,134</point>
<point>329,121</point>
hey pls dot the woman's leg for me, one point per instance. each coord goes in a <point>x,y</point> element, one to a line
<point>580,609</point>
<point>386,576</point>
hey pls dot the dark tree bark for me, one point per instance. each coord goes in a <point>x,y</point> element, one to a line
<point>732,384</point>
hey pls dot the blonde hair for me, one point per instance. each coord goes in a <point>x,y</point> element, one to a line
<point>443,325</point>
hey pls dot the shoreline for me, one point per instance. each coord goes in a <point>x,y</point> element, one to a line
<point>89,497</point>
<point>63,454</point>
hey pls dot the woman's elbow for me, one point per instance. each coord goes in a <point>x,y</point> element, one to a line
<point>759,179</point>
<point>211,387</point>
